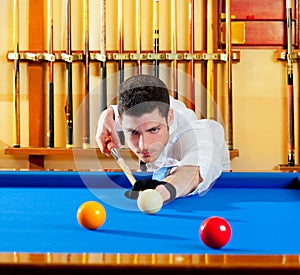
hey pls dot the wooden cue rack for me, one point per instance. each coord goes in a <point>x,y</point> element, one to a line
<point>37,151</point>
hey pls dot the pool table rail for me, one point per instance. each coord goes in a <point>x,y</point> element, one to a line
<point>102,179</point>
<point>148,262</point>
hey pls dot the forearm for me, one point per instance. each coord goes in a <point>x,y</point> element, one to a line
<point>185,180</point>
<point>106,128</point>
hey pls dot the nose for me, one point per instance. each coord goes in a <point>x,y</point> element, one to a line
<point>144,142</point>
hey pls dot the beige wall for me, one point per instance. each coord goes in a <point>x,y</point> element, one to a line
<point>259,81</point>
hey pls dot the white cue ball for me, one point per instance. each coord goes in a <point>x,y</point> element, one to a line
<point>149,201</point>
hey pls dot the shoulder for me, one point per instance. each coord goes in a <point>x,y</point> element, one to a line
<point>215,127</point>
<point>181,111</point>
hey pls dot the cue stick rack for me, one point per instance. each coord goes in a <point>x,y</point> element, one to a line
<point>290,56</point>
<point>215,52</point>
<point>256,25</point>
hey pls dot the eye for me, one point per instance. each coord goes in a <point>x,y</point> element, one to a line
<point>133,133</point>
<point>154,130</point>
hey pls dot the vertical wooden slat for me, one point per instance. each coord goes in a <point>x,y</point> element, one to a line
<point>16,78</point>
<point>35,82</point>
<point>35,75</point>
<point>228,77</point>
<point>211,70</point>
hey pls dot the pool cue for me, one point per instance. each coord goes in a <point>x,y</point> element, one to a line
<point>69,88</point>
<point>121,52</point>
<point>228,76</point>
<point>121,162</point>
<point>16,77</point>
<point>50,131</point>
<point>210,63</point>
<point>138,35</point>
<point>174,64</point>
<point>290,85</point>
<point>121,40</point>
<point>191,102</point>
<point>156,36</point>
<point>86,75</point>
<point>103,87</point>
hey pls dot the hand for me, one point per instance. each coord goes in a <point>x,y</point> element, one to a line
<point>107,128</point>
<point>142,185</point>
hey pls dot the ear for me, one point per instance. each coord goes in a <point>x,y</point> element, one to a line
<point>170,117</point>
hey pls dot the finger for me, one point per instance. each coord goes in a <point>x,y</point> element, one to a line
<point>100,144</point>
<point>109,143</point>
<point>105,127</point>
<point>131,194</point>
<point>106,145</point>
<point>100,139</point>
<point>115,138</point>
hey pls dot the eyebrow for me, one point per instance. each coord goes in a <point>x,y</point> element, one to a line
<point>147,130</point>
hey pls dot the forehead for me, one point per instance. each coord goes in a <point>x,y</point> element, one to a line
<point>148,119</point>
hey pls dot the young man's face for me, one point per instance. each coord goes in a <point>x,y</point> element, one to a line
<point>147,135</point>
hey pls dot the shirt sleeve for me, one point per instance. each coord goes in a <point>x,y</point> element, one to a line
<point>202,143</point>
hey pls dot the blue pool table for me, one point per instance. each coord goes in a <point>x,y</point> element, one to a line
<point>39,228</point>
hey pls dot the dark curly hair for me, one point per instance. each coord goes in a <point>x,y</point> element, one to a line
<point>142,94</point>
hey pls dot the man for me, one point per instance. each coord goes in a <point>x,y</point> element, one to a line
<point>185,154</point>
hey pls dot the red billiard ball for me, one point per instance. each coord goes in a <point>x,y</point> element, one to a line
<point>215,232</point>
<point>91,215</point>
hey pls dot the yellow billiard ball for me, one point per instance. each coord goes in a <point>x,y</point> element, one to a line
<point>91,215</point>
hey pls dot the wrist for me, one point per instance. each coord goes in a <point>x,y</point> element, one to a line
<point>172,190</point>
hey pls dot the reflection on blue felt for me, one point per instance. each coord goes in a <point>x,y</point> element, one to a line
<point>115,198</point>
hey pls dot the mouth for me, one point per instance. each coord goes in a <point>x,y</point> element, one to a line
<point>145,154</point>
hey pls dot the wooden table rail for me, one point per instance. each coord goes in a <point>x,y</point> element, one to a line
<point>36,154</point>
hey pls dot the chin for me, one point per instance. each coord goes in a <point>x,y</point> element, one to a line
<point>148,159</point>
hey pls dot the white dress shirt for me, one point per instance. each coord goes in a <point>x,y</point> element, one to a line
<point>192,142</point>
